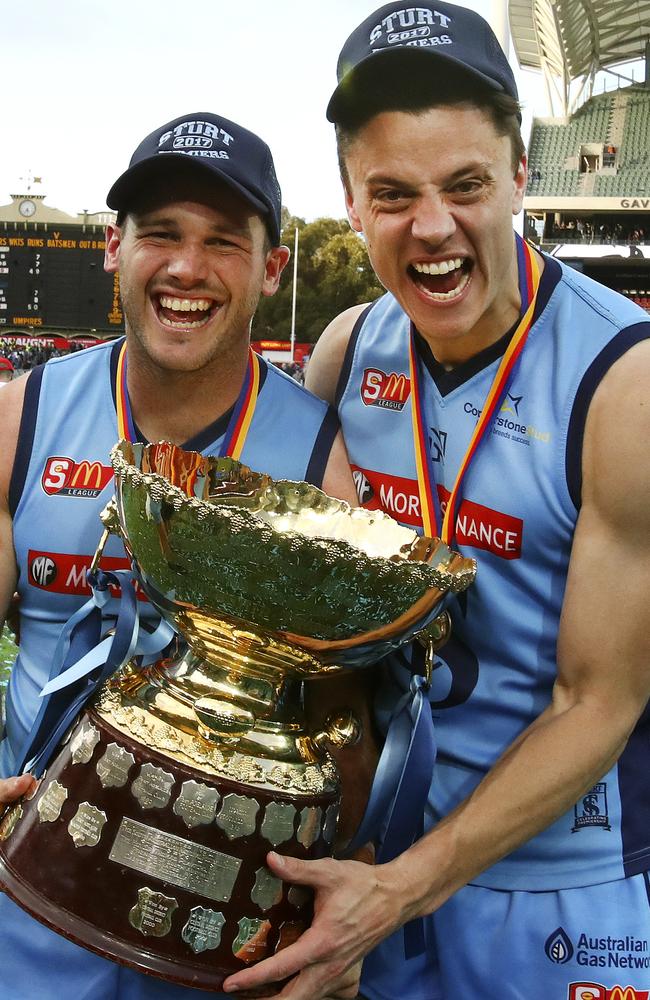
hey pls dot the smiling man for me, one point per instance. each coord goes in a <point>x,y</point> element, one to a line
<point>500,399</point>
<point>196,243</point>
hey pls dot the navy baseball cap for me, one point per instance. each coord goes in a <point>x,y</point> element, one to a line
<point>443,31</point>
<point>219,148</point>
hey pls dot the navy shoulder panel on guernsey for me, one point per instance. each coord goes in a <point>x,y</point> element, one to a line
<point>615,349</point>
<point>25,437</point>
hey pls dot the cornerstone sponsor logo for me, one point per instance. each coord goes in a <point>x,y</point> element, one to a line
<point>388,390</point>
<point>510,422</point>
<point>592,810</point>
<point>65,573</point>
<point>64,477</point>
<point>477,526</point>
<point>596,991</point>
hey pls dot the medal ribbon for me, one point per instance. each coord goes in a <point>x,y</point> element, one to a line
<point>238,425</point>
<point>529,278</point>
<point>125,425</point>
<point>242,414</point>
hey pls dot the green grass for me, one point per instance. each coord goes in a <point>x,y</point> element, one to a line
<point>7,653</point>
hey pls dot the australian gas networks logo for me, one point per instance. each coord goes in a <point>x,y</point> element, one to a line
<point>626,952</point>
<point>419,26</point>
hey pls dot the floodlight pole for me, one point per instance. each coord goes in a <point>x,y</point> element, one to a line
<point>295,288</point>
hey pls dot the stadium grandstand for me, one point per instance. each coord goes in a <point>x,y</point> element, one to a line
<point>588,194</point>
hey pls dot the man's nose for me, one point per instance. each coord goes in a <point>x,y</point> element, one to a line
<point>188,264</point>
<point>433,222</point>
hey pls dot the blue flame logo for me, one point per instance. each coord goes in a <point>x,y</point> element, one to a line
<point>558,947</point>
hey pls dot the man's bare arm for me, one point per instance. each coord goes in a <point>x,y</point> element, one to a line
<point>321,379</point>
<point>338,481</point>
<point>11,408</point>
<point>327,358</point>
<point>11,405</point>
<point>603,672</point>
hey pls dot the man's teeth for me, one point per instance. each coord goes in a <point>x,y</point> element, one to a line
<point>442,267</point>
<point>179,324</point>
<point>446,296</point>
<point>185,305</point>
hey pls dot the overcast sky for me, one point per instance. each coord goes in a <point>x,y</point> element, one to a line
<point>85,80</point>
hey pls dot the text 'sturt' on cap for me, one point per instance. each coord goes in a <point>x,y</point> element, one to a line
<point>6,365</point>
<point>444,31</point>
<point>219,148</point>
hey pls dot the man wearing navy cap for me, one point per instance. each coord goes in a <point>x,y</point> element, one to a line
<point>500,399</point>
<point>196,242</point>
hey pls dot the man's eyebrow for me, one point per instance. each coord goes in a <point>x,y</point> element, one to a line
<point>476,166</point>
<point>151,219</point>
<point>388,179</point>
<point>231,228</point>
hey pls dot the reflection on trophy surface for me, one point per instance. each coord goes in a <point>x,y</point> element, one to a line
<point>146,838</point>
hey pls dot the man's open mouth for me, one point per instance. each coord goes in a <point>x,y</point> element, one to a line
<point>184,314</point>
<point>442,280</point>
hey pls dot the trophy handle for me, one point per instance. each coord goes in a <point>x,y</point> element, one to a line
<point>433,637</point>
<point>111,521</point>
<point>342,729</point>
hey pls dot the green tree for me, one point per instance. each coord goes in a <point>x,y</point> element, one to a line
<point>333,273</point>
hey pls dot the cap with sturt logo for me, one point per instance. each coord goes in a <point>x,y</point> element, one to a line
<point>440,35</point>
<point>219,149</point>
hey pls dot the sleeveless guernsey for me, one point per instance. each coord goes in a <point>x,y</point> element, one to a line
<point>518,515</point>
<point>62,479</point>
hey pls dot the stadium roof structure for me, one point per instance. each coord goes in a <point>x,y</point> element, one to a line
<point>571,40</point>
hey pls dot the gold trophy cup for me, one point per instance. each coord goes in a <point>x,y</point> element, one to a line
<point>146,839</point>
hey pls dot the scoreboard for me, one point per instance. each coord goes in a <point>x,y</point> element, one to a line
<point>53,278</point>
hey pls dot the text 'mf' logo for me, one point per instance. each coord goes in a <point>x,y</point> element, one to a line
<point>387,390</point>
<point>63,476</point>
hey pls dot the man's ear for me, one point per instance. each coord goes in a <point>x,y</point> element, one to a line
<point>276,261</point>
<point>112,251</point>
<point>353,215</point>
<point>521,179</point>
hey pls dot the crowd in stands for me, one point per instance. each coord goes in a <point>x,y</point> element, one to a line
<point>292,368</point>
<point>26,356</point>
<point>597,230</point>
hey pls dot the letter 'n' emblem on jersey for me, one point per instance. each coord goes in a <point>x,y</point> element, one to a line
<point>62,476</point>
<point>388,390</point>
<point>438,444</point>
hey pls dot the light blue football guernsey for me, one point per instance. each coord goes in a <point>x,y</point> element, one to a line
<point>62,480</point>
<point>521,502</point>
